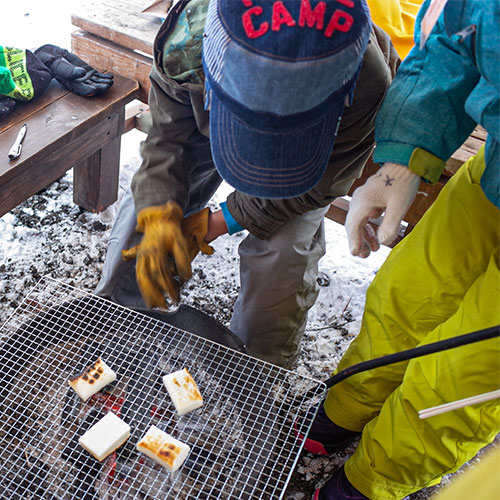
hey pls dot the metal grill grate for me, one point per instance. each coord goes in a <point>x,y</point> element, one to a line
<point>242,443</point>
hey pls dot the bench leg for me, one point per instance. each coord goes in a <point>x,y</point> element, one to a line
<point>95,180</point>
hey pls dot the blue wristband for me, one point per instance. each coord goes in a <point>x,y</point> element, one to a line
<point>232,225</point>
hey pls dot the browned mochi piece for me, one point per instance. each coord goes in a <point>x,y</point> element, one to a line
<point>93,379</point>
<point>183,391</point>
<point>163,448</point>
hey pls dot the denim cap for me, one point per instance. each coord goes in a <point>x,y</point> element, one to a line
<point>278,74</point>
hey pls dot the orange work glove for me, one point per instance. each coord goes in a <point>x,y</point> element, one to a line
<point>166,251</point>
<point>195,228</point>
<point>162,245</point>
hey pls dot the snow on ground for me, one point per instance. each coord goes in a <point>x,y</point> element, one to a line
<point>49,235</point>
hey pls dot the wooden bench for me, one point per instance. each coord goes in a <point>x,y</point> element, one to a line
<point>116,36</point>
<point>65,131</point>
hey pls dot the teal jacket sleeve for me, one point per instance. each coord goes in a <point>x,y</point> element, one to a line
<point>424,109</point>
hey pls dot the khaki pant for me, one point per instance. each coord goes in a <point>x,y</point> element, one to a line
<point>441,281</point>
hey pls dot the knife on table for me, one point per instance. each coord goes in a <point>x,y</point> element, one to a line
<point>15,150</point>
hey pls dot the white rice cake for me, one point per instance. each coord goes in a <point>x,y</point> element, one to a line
<point>183,391</point>
<point>105,436</point>
<point>163,448</point>
<point>93,379</point>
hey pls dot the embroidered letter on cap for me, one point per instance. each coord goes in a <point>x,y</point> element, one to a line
<point>248,24</point>
<point>312,17</point>
<point>336,24</point>
<point>281,16</point>
<point>347,3</point>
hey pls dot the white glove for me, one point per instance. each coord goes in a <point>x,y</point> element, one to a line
<point>392,189</point>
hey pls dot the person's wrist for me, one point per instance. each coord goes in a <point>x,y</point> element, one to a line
<point>216,226</point>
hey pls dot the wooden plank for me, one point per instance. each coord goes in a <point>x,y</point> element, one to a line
<point>62,133</point>
<point>479,133</point>
<point>105,55</point>
<point>338,210</point>
<point>24,110</point>
<point>469,148</point>
<point>120,22</point>
<point>95,180</point>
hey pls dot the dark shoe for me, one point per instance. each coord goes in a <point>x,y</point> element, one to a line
<point>338,488</point>
<point>325,437</point>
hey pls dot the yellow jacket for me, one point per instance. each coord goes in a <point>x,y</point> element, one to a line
<point>397,19</point>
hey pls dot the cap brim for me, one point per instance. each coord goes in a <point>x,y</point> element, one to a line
<point>267,163</point>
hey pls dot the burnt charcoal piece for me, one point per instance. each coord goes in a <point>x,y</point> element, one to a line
<point>29,478</point>
<point>88,467</point>
<point>70,407</point>
<point>198,459</point>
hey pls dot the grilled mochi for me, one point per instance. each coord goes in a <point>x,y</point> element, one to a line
<point>106,436</point>
<point>163,448</point>
<point>183,391</point>
<point>93,379</point>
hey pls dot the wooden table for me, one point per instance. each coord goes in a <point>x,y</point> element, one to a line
<point>64,131</point>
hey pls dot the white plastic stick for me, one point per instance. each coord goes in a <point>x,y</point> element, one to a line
<point>437,410</point>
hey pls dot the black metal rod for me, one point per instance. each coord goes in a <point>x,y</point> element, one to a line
<point>441,345</point>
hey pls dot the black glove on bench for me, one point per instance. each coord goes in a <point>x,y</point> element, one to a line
<point>73,73</point>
